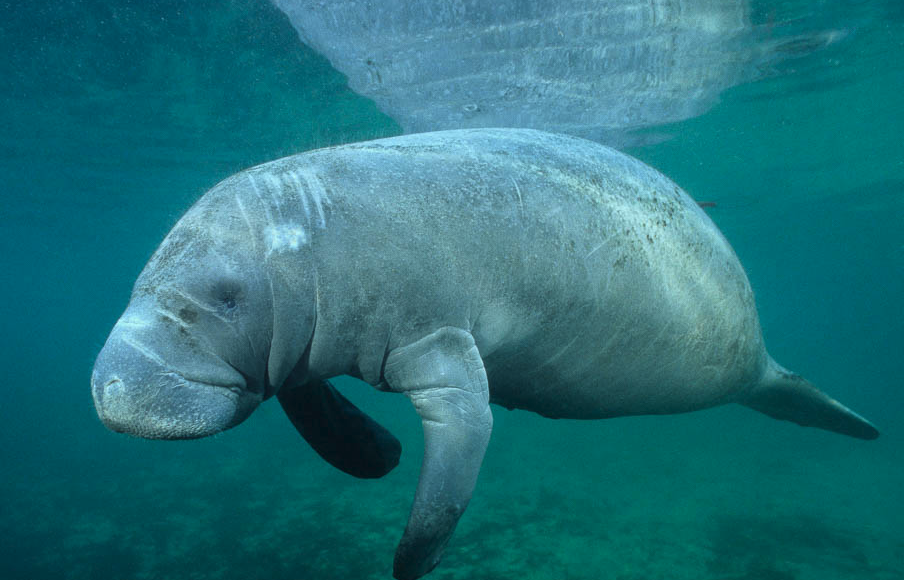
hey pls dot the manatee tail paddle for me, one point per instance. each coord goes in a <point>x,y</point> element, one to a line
<point>789,397</point>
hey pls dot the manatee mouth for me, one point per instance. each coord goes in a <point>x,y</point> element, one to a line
<point>148,385</point>
<point>169,406</point>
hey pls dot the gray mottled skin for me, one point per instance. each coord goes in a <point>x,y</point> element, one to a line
<point>533,270</point>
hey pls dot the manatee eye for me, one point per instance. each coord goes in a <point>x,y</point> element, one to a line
<point>227,294</point>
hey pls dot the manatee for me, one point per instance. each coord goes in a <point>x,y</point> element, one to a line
<point>531,270</point>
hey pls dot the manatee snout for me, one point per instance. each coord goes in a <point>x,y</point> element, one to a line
<point>137,392</point>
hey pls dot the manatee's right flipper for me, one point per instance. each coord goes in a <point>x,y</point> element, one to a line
<point>784,395</point>
<point>339,431</point>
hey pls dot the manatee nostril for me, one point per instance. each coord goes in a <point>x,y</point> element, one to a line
<point>111,381</point>
<point>101,390</point>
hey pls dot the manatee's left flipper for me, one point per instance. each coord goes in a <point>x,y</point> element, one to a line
<point>443,375</point>
<point>339,431</point>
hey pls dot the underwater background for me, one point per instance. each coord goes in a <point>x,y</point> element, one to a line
<point>117,115</point>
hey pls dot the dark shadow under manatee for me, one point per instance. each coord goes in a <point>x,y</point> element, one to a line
<point>761,548</point>
<point>765,573</point>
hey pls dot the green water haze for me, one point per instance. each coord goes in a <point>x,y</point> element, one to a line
<point>116,116</point>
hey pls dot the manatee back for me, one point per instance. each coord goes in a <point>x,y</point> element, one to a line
<point>530,240</point>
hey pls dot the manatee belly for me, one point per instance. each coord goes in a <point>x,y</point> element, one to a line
<point>632,357</point>
<point>658,341</point>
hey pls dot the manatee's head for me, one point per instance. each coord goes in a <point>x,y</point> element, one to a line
<point>189,356</point>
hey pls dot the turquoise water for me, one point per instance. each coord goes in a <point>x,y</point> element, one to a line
<point>117,115</point>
